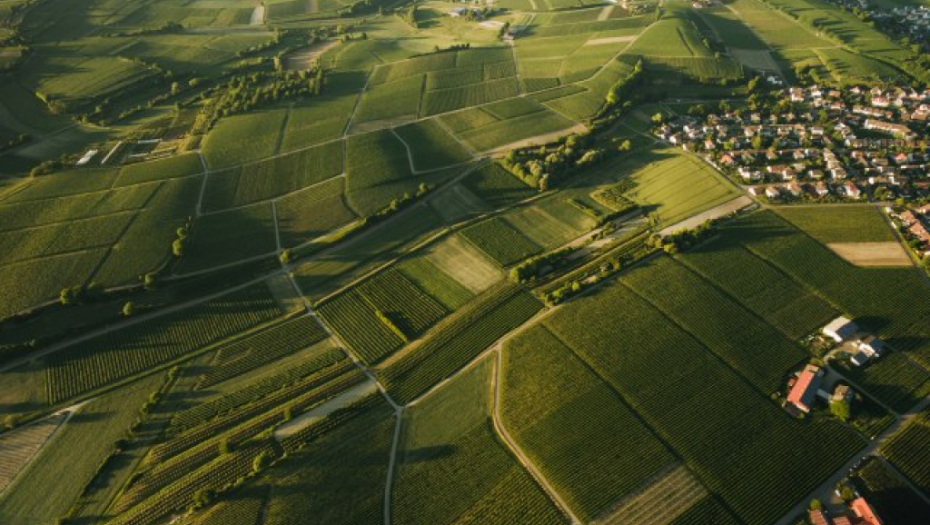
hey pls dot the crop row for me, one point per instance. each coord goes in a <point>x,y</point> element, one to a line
<point>221,473</point>
<point>570,423</point>
<point>253,391</point>
<point>747,343</point>
<point>123,353</point>
<point>273,402</point>
<point>500,241</point>
<point>443,100</point>
<point>909,451</point>
<point>768,292</point>
<point>892,498</point>
<point>264,347</point>
<point>472,330</point>
<point>174,468</point>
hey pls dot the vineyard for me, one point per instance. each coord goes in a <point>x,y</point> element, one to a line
<point>273,178</point>
<point>745,342</point>
<point>345,470</point>
<point>252,391</point>
<point>700,407</point>
<point>496,186</point>
<point>262,348</point>
<point>453,470</point>
<point>909,451</point>
<point>772,295</point>
<point>129,351</point>
<point>458,340</point>
<point>381,315</point>
<point>500,241</point>
<point>571,424</point>
<point>310,213</point>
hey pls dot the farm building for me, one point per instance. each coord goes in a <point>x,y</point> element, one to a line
<point>865,512</point>
<point>859,358</point>
<point>871,345</point>
<point>817,517</point>
<point>840,329</point>
<point>804,391</point>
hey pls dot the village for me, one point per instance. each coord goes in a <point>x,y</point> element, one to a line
<point>818,145</point>
<point>911,22</point>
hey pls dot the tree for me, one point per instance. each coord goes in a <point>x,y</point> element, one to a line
<point>203,497</point>
<point>658,118</point>
<point>840,409</point>
<point>261,462</point>
<point>815,504</point>
<point>149,280</point>
<point>285,256</point>
<point>66,296</point>
<point>177,248</point>
<point>128,309</point>
<point>223,446</point>
<point>626,145</point>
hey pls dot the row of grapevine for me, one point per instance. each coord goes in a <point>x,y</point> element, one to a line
<point>891,496</point>
<point>909,451</point>
<point>311,432</point>
<point>264,347</point>
<point>891,302</point>
<point>500,241</point>
<point>570,424</point>
<point>747,343</point>
<point>474,329</point>
<point>276,401</point>
<point>382,314</point>
<point>217,475</point>
<point>738,443</point>
<point>174,467</point>
<point>757,284</point>
<point>254,391</point>
<point>131,350</point>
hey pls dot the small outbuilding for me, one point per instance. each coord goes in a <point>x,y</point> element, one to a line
<point>840,329</point>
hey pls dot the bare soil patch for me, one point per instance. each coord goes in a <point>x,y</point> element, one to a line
<point>303,59</point>
<point>872,253</point>
<point>610,40</point>
<point>464,263</point>
<point>713,213</point>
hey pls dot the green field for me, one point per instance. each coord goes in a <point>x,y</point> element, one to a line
<point>854,224</point>
<point>453,469</point>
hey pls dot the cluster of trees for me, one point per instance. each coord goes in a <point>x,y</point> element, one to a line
<point>683,240</point>
<point>621,258</point>
<point>243,93</point>
<point>535,267</point>
<point>22,138</point>
<point>538,166</point>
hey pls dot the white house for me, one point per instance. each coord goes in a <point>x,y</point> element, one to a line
<point>840,329</point>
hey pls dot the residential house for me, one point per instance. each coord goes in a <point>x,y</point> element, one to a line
<point>865,512</point>
<point>804,391</point>
<point>840,329</point>
<point>851,190</point>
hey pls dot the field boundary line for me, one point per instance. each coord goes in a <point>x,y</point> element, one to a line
<point>392,464</point>
<point>134,320</point>
<point>517,452</point>
<point>198,211</point>
<point>273,199</point>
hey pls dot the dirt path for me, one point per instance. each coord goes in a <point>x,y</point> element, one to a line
<point>303,59</point>
<point>537,140</point>
<point>716,212</point>
<point>319,412</point>
<point>258,15</point>
<point>605,13</point>
<point>517,451</point>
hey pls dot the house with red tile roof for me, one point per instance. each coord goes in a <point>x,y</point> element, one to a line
<point>865,512</point>
<point>817,517</point>
<point>804,391</point>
